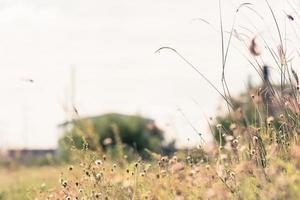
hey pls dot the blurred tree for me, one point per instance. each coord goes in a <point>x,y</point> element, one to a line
<point>114,132</point>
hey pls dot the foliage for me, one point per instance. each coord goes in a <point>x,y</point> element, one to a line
<point>114,133</point>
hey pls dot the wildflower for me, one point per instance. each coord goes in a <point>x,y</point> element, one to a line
<point>71,167</point>
<point>98,195</point>
<point>82,164</point>
<point>98,162</point>
<point>232,175</point>
<point>107,141</point>
<point>43,185</point>
<point>164,159</point>
<point>85,146</point>
<point>175,158</point>
<point>235,141</point>
<point>68,198</point>
<point>232,126</point>
<point>281,116</point>
<point>114,165</point>
<point>87,173</point>
<point>80,190</point>
<point>255,138</point>
<point>229,138</point>
<point>286,103</point>
<point>270,120</point>
<point>142,174</point>
<point>64,184</point>
<point>223,156</point>
<point>207,167</point>
<point>98,176</point>
<point>219,126</point>
<point>104,157</point>
<point>192,173</point>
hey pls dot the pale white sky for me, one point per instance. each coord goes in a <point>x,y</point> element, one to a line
<point>112,44</point>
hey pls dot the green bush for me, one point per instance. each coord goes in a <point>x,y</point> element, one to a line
<point>112,133</point>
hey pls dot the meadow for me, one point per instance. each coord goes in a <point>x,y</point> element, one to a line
<point>224,176</point>
<point>254,154</point>
<point>26,182</point>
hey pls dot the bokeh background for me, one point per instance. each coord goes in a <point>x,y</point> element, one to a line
<point>99,56</point>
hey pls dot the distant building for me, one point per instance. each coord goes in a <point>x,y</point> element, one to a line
<point>23,154</point>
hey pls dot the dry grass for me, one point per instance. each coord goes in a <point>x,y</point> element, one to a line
<point>25,182</point>
<point>224,177</point>
<point>252,158</point>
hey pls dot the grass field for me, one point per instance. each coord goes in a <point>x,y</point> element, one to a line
<point>174,177</point>
<point>26,182</point>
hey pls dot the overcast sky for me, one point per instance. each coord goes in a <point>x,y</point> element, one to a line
<point>111,45</point>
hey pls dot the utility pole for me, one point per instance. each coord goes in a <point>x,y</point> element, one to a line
<point>73,91</point>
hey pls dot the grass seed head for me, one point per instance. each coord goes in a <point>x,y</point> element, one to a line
<point>253,47</point>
